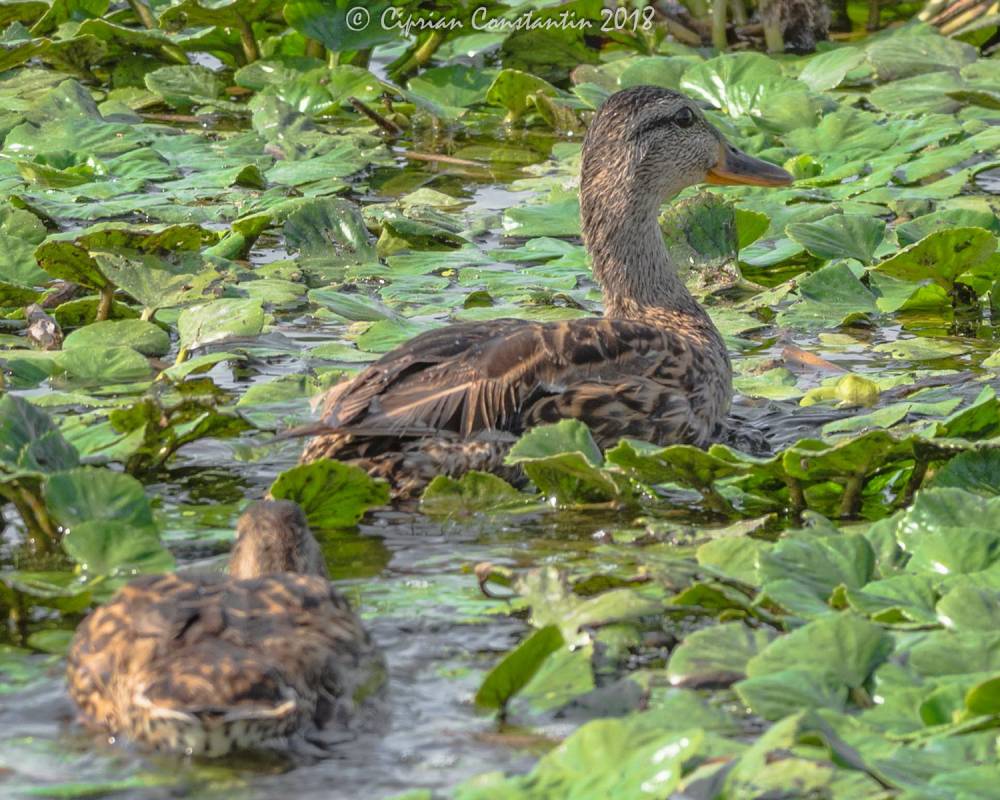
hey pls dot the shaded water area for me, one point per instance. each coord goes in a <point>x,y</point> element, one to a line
<point>410,576</point>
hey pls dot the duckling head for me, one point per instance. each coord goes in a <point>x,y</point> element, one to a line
<point>645,145</point>
<point>273,536</point>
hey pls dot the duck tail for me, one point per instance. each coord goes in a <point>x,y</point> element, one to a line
<point>301,431</point>
<point>212,731</point>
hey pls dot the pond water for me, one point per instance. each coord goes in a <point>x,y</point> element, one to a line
<point>410,576</point>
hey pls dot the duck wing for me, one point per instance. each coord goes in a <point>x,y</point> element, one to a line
<point>469,378</point>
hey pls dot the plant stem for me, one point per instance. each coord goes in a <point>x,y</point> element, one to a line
<point>739,12</point>
<point>874,15</point>
<point>33,513</point>
<point>315,49</point>
<point>143,12</point>
<point>683,34</point>
<point>773,37</point>
<point>385,124</point>
<point>40,513</point>
<point>719,39</point>
<point>916,478</point>
<point>698,8</point>
<point>250,49</point>
<point>420,56</point>
<point>796,497</point>
<point>104,305</point>
<point>360,58</point>
<point>851,501</point>
<point>715,501</point>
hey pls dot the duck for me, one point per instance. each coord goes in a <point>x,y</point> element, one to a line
<point>653,367</point>
<point>205,663</point>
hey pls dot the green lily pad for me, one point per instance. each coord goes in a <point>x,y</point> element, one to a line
<point>332,494</point>
<point>975,471</point>
<point>338,25</point>
<point>752,85</point>
<point>513,89</point>
<point>840,236</point>
<point>454,88</point>
<point>183,87</point>
<point>941,256</point>
<point>825,71</point>
<point>219,320</point>
<point>514,672</point>
<point>99,365</point>
<point>30,442</point>
<point>716,655</point>
<point>630,756</point>
<point>843,647</point>
<point>145,337</point>
<point>473,493</point>
<point>776,695</point>
<point>902,56</point>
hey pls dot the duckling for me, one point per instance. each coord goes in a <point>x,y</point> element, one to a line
<point>204,663</point>
<point>654,367</point>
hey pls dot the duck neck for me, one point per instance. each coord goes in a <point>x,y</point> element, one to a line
<point>631,262</point>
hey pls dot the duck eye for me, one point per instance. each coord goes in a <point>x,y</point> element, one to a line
<point>685,117</point>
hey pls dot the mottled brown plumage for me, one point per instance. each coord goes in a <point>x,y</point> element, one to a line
<point>654,367</point>
<point>204,663</point>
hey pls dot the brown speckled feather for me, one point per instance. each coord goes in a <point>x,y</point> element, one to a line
<point>202,663</point>
<point>622,377</point>
<point>503,379</point>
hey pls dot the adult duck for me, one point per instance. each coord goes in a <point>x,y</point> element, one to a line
<point>204,663</point>
<point>654,367</point>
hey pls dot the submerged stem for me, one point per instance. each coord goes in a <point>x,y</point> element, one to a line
<point>41,529</point>
<point>850,503</point>
<point>796,497</point>
<point>250,49</point>
<point>104,305</point>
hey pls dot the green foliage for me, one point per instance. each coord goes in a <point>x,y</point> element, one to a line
<point>519,666</point>
<point>332,494</point>
<point>107,522</point>
<point>197,177</point>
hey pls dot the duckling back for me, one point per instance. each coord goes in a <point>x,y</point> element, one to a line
<point>203,664</point>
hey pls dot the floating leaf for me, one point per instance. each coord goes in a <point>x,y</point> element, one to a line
<point>843,647</point>
<point>332,494</point>
<point>219,320</point>
<point>145,337</point>
<point>840,236</point>
<point>941,256</point>
<point>474,493</point>
<point>716,656</point>
<point>30,442</point>
<point>518,667</point>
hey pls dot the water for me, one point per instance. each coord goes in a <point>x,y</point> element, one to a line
<point>411,578</point>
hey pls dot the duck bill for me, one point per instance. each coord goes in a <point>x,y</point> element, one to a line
<point>737,168</point>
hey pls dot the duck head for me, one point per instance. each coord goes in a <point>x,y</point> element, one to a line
<point>273,536</point>
<point>646,144</point>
